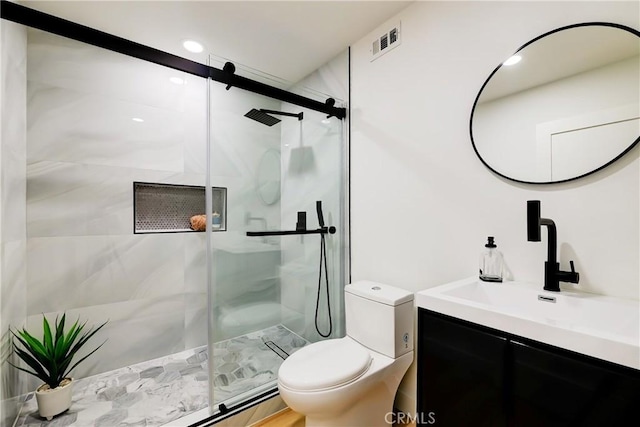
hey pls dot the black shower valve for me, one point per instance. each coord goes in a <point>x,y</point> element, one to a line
<point>301,225</point>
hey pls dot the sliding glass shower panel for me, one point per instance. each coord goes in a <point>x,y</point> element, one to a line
<point>96,122</point>
<point>277,161</point>
<point>245,292</point>
<point>313,156</point>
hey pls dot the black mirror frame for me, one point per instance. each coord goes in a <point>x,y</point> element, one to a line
<point>475,102</point>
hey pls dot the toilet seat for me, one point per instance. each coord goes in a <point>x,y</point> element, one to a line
<point>325,364</point>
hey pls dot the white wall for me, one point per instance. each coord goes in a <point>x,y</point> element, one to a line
<point>423,204</point>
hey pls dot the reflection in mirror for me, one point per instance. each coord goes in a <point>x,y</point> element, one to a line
<point>567,108</point>
<point>268,177</point>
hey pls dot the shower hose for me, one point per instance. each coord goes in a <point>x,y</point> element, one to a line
<point>323,261</point>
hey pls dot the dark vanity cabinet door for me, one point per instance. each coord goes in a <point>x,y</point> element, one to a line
<point>471,375</point>
<point>460,374</point>
<point>553,389</point>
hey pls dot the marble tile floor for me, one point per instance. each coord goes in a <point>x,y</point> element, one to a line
<point>159,391</point>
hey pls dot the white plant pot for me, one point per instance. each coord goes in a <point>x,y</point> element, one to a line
<point>52,402</point>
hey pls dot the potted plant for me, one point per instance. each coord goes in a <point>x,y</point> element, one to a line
<point>50,360</point>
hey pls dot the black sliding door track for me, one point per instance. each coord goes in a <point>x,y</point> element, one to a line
<point>62,27</point>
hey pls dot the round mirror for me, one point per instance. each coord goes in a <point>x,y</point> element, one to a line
<point>268,177</point>
<point>565,105</point>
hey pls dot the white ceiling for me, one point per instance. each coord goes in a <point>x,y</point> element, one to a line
<point>288,39</point>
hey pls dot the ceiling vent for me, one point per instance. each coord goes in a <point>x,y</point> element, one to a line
<point>385,42</point>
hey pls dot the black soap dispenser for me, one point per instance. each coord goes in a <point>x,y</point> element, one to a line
<point>491,262</point>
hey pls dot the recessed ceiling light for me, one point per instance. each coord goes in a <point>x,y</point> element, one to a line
<point>512,60</point>
<point>137,119</point>
<point>177,80</point>
<point>192,46</point>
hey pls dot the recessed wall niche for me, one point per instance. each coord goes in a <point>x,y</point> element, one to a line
<point>168,208</point>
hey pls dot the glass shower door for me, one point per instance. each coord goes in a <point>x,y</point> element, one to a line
<point>264,286</point>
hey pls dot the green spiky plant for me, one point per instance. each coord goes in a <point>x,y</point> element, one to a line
<point>50,359</point>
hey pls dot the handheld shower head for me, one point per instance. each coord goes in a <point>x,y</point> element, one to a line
<point>319,212</point>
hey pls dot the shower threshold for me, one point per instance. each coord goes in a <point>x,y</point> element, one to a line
<point>161,391</point>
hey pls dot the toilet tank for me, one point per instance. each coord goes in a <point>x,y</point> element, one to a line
<point>380,317</point>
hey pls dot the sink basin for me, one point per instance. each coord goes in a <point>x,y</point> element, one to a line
<point>604,327</point>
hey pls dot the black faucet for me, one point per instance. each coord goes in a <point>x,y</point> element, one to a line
<point>552,273</point>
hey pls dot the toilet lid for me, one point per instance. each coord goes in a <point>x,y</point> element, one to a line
<point>324,364</point>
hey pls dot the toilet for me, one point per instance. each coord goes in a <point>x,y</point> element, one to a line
<point>352,381</point>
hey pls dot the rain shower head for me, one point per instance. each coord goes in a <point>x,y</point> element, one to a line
<point>264,118</point>
<point>261,117</point>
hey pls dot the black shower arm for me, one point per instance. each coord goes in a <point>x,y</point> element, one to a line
<point>299,115</point>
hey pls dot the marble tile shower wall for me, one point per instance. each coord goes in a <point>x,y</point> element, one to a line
<point>83,153</point>
<point>13,243</point>
<point>245,268</point>
<point>313,159</point>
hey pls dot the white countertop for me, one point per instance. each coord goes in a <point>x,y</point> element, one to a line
<point>604,327</point>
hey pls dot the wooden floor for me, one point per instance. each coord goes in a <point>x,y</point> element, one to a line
<point>284,418</point>
<point>288,418</point>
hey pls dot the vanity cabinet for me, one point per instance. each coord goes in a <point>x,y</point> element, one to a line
<point>469,374</point>
<point>554,389</point>
<point>460,373</point>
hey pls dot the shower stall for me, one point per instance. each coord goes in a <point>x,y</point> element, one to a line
<point>200,208</point>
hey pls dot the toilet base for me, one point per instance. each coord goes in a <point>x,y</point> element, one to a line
<point>374,411</point>
<point>364,402</point>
